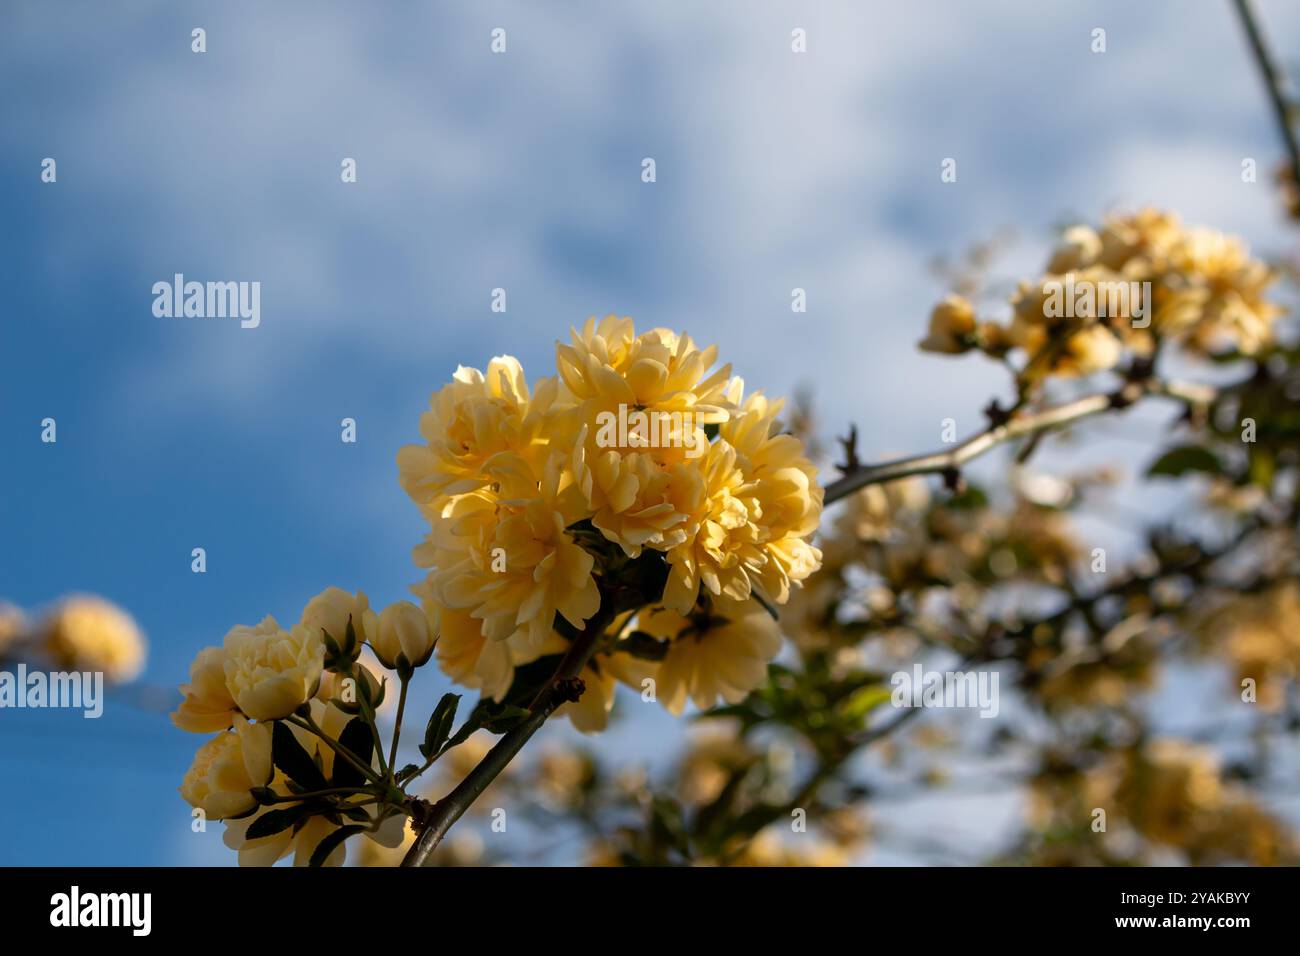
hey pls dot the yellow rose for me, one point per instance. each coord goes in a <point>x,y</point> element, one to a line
<point>1220,295</point>
<point>515,569</point>
<point>1138,242</point>
<point>404,632</point>
<point>208,706</point>
<point>1094,349</point>
<point>227,768</point>
<point>952,327</point>
<point>271,672</point>
<point>722,651</point>
<point>88,633</point>
<point>607,371</point>
<point>663,497</point>
<point>784,487</point>
<point>471,660</point>
<point>725,553</point>
<point>1068,348</point>
<point>608,364</point>
<point>1079,249</point>
<point>481,429</point>
<point>760,503</point>
<point>330,611</point>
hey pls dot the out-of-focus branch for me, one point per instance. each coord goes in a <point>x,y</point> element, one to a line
<point>826,769</point>
<point>1273,83</point>
<point>1017,426</point>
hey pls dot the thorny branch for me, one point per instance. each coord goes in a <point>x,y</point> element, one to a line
<point>1030,425</point>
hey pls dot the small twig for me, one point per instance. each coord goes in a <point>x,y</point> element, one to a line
<point>1273,83</point>
<point>1018,426</point>
<point>850,446</point>
<point>397,727</point>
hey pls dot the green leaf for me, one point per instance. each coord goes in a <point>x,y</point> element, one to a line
<point>1185,458</point>
<point>291,757</point>
<point>1227,357</point>
<point>472,723</point>
<point>973,497</point>
<point>368,692</point>
<point>330,843</point>
<point>357,738</point>
<point>1262,467</point>
<point>438,730</point>
<point>350,641</point>
<point>276,821</point>
<point>864,700</point>
<point>505,717</point>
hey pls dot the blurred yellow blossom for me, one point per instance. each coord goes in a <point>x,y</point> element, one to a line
<point>1138,279</point>
<point>89,633</point>
<point>952,327</point>
<point>13,623</point>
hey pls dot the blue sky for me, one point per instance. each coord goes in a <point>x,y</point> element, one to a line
<point>478,171</point>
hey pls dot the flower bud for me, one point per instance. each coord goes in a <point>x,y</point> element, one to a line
<point>404,631</point>
<point>330,612</point>
<point>952,324</point>
<point>347,691</point>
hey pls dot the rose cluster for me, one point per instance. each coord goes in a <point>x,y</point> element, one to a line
<point>1136,281</point>
<point>538,507</point>
<point>283,704</point>
<point>637,498</point>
